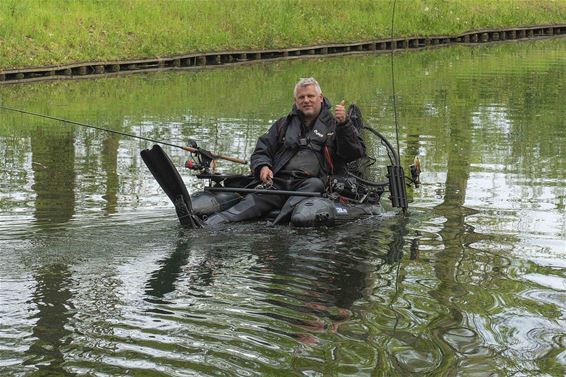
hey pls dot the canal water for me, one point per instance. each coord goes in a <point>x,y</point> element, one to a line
<point>98,278</point>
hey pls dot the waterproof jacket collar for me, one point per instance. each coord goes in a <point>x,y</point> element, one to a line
<point>315,136</point>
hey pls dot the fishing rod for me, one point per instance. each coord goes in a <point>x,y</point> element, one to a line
<point>395,115</point>
<point>195,150</point>
<point>395,172</point>
<point>263,191</point>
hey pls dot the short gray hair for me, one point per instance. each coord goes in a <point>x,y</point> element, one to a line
<point>306,82</point>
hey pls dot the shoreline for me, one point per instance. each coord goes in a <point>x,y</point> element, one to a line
<point>217,59</point>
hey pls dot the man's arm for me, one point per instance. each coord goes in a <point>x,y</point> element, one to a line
<point>340,113</point>
<point>265,150</point>
<point>349,144</point>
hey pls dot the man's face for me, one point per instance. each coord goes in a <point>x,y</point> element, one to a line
<point>308,101</point>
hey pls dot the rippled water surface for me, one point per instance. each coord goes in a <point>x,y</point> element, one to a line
<point>98,278</point>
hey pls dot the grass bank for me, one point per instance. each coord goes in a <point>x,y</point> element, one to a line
<point>45,32</point>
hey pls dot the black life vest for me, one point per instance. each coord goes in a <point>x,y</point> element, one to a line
<point>313,143</point>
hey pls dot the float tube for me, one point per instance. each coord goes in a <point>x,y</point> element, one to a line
<point>347,198</point>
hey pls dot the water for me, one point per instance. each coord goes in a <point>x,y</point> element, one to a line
<point>97,277</point>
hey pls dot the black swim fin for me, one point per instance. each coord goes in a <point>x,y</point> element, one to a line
<point>170,180</point>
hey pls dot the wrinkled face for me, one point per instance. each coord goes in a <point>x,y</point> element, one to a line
<point>309,101</point>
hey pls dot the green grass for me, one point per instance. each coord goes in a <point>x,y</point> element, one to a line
<point>44,32</point>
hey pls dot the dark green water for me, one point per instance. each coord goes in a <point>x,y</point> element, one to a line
<point>97,277</point>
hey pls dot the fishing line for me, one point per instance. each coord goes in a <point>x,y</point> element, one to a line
<point>90,126</point>
<point>209,154</point>
<point>395,116</point>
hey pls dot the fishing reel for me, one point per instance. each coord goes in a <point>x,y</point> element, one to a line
<point>202,160</point>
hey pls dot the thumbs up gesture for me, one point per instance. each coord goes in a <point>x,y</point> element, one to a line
<point>340,112</point>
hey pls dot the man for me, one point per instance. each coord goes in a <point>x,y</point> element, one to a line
<point>298,153</point>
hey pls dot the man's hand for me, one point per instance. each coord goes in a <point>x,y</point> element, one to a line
<point>340,112</point>
<point>265,174</point>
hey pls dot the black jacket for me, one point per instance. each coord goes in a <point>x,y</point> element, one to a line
<point>274,149</point>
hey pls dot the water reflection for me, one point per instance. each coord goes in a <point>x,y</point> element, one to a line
<point>305,284</point>
<point>316,282</point>
<point>109,158</point>
<point>53,164</point>
<point>52,298</point>
<point>446,328</point>
<point>173,270</point>
<point>54,175</point>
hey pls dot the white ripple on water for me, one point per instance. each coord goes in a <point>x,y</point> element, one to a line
<point>553,282</point>
<point>527,336</point>
<point>556,301</point>
<point>186,340</point>
<point>466,341</point>
<point>216,305</point>
<point>16,325</point>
